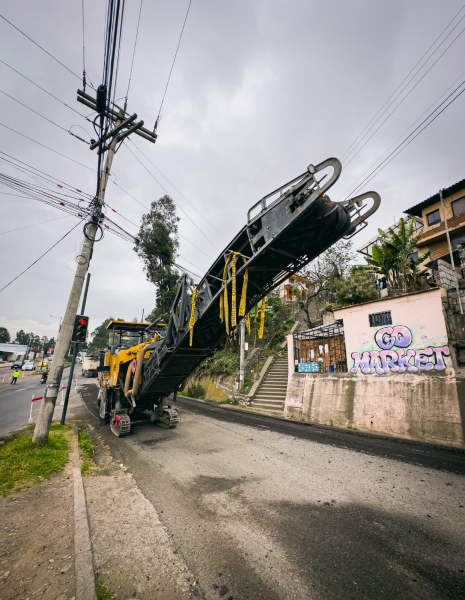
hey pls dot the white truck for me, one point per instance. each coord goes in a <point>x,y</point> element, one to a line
<point>89,366</point>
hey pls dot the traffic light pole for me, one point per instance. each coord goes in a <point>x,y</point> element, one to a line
<point>73,360</point>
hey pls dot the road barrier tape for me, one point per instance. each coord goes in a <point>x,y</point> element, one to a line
<point>224,316</point>
<point>262,320</point>
<point>192,318</point>
<point>38,398</point>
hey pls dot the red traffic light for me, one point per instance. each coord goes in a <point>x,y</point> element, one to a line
<point>82,321</point>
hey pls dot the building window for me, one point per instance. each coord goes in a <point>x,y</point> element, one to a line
<point>433,217</point>
<point>378,319</point>
<point>458,207</point>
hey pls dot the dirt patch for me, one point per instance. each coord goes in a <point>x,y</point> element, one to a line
<point>36,541</point>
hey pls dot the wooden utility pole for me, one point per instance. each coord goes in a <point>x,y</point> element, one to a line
<point>122,129</point>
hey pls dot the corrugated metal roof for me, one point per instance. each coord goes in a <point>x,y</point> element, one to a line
<point>416,210</point>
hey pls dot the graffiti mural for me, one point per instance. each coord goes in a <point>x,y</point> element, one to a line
<point>394,354</point>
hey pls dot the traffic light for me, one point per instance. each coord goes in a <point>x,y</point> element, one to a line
<point>80,329</point>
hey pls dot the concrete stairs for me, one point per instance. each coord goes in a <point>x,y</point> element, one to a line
<point>271,393</point>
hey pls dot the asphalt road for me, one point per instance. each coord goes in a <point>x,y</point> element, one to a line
<point>260,508</point>
<point>15,401</point>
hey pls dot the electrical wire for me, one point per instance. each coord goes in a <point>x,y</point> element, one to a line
<point>348,151</point>
<point>33,225</point>
<point>37,260</point>
<point>401,136</point>
<point>172,184</point>
<point>166,191</point>
<point>133,53</point>
<point>373,174</point>
<point>403,99</point>
<point>48,148</point>
<point>39,46</point>
<point>43,117</point>
<point>174,60</point>
<point>44,90</point>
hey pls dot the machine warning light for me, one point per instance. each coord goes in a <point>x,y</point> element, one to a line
<point>80,329</point>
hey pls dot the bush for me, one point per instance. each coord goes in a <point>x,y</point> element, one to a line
<point>224,362</point>
<point>195,390</point>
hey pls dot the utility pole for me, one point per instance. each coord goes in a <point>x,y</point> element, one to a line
<point>457,287</point>
<point>73,360</point>
<point>122,129</point>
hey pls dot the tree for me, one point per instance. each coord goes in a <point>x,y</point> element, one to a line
<point>157,244</point>
<point>99,338</point>
<point>358,287</point>
<point>4,335</point>
<point>396,257</point>
<point>22,338</point>
<point>324,272</point>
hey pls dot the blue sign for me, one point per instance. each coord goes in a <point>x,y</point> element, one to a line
<point>312,367</point>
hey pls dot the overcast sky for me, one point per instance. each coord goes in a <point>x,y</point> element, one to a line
<point>260,89</point>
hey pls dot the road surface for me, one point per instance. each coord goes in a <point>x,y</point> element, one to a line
<point>275,510</point>
<point>15,401</point>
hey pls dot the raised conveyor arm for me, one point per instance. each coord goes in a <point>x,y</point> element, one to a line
<point>285,231</point>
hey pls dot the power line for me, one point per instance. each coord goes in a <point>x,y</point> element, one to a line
<point>33,225</point>
<point>174,59</point>
<point>134,51</point>
<point>401,136</point>
<point>39,46</point>
<point>166,191</point>
<point>44,146</point>
<point>404,98</point>
<point>44,90</point>
<point>43,117</point>
<point>374,173</point>
<point>37,260</point>
<point>179,192</point>
<point>346,153</point>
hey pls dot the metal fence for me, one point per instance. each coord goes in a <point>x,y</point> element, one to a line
<point>321,349</point>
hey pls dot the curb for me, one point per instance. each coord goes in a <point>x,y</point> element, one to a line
<point>83,562</point>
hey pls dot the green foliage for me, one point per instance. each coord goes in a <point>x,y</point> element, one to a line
<point>329,307</point>
<point>103,593</point>
<point>394,256</point>
<point>251,377</point>
<point>195,390</point>
<point>99,338</point>
<point>280,335</point>
<point>223,362</point>
<point>23,463</point>
<point>157,244</point>
<point>86,450</point>
<point>22,338</point>
<point>4,335</point>
<point>359,287</point>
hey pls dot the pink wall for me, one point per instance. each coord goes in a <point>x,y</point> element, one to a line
<point>415,342</point>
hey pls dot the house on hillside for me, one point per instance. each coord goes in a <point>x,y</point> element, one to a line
<point>431,212</point>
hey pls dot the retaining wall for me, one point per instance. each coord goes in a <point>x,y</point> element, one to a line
<point>419,407</point>
<point>218,387</point>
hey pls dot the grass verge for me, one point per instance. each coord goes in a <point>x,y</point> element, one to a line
<point>86,450</point>
<point>23,463</point>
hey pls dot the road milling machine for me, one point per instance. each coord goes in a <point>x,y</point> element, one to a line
<point>285,230</point>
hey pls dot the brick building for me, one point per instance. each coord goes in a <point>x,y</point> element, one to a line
<point>434,233</point>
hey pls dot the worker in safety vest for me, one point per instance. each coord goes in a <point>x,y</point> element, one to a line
<point>15,377</point>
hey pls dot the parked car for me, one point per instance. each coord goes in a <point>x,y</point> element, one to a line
<point>43,363</point>
<point>29,366</point>
<point>18,364</point>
